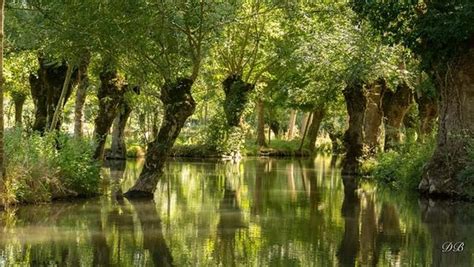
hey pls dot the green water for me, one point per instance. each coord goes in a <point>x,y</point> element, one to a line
<point>258,212</point>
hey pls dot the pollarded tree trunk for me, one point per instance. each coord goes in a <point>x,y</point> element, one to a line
<point>110,95</point>
<point>236,98</point>
<point>261,124</point>
<point>19,101</point>
<point>81,96</point>
<point>396,105</point>
<point>304,122</point>
<point>291,125</point>
<point>313,130</point>
<point>428,113</point>
<point>178,106</point>
<point>456,130</point>
<point>354,135</point>
<point>118,149</point>
<point>46,88</point>
<point>373,120</point>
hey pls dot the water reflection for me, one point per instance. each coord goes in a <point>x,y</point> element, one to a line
<point>258,212</point>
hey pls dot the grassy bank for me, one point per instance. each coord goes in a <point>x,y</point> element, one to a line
<point>43,168</point>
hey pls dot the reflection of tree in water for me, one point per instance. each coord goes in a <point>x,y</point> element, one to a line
<point>230,221</point>
<point>153,239</point>
<point>449,221</point>
<point>349,246</point>
<point>389,231</point>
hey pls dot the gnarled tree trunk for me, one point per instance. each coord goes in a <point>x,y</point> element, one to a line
<point>354,135</point>
<point>427,113</point>
<point>456,130</point>
<point>236,98</point>
<point>110,95</point>
<point>179,105</point>
<point>396,105</point>
<point>313,130</point>
<point>46,88</point>
<point>373,121</point>
<point>261,124</point>
<point>81,95</point>
<point>118,149</point>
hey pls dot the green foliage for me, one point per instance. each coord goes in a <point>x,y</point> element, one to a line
<point>403,168</point>
<point>77,169</point>
<point>438,31</point>
<point>38,172</point>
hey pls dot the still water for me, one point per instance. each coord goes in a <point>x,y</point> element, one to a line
<point>258,212</point>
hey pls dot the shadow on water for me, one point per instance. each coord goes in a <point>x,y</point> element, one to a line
<point>258,212</point>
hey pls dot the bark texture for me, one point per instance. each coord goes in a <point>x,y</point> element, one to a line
<point>456,130</point>
<point>261,124</point>
<point>373,119</point>
<point>118,149</point>
<point>110,95</point>
<point>46,87</point>
<point>428,112</point>
<point>354,135</point>
<point>236,98</point>
<point>81,95</point>
<point>179,105</point>
<point>313,129</point>
<point>396,105</point>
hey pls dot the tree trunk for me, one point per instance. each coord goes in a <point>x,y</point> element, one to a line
<point>396,105</point>
<point>291,125</point>
<point>354,135</point>
<point>373,120</point>
<point>261,124</point>
<point>2,166</point>
<point>81,96</point>
<point>456,131</point>
<point>119,149</point>
<point>46,88</point>
<point>236,98</point>
<point>304,122</point>
<point>19,101</point>
<point>275,128</point>
<point>179,105</point>
<point>110,95</point>
<point>313,130</point>
<point>427,113</point>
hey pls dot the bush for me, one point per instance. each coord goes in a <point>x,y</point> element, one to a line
<point>40,168</point>
<point>403,168</point>
<point>78,170</point>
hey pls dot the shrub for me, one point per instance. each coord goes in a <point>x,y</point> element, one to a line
<point>40,168</point>
<point>77,169</point>
<point>135,151</point>
<point>403,168</point>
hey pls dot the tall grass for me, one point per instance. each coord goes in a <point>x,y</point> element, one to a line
<point>41,168</point>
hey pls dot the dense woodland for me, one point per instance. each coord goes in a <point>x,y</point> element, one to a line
<point>388,85</point>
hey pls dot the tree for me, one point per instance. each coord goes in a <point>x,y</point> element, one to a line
<point>440,34</point>
<point>175,49</point>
